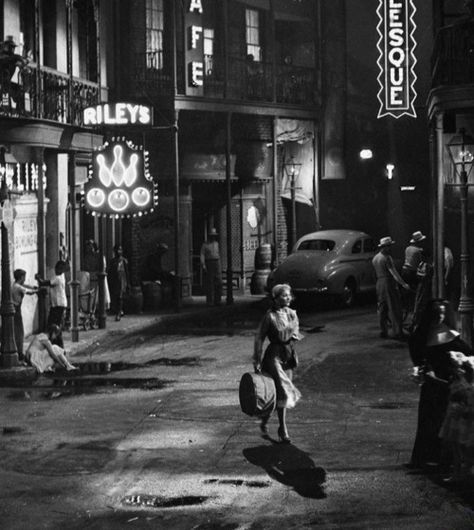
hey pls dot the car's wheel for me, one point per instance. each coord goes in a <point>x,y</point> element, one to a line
<point>348,294</point>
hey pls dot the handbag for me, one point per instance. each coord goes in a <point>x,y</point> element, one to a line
<point>257,394</point>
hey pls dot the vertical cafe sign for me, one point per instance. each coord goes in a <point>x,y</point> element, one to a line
<point>397,59</point>
<point>194,48</point>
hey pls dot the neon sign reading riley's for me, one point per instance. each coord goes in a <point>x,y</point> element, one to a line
<point>397,60</point>
<point>118,114</point>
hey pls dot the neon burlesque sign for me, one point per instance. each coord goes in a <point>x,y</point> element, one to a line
<point>396,60</point>
<point>119,184</point>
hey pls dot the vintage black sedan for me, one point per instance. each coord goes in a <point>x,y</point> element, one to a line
<point>337,263</point>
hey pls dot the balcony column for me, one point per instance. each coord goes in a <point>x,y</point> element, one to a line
<point>275,189</point>
<point>74,297</point>
<point>8,349</point>
<point>42,310</point>
<point>439,213</point>
<point>38,100</point>
<point>69,58</point>
<point>177,285</point>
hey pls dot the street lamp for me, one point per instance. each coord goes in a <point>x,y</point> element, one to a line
<point>292,170</point>
<point>461,149</point>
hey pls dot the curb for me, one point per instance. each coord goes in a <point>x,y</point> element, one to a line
<point>168,319</point>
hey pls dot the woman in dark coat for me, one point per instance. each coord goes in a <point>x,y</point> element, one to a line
<point>429,346</point>
<point>281,326</point>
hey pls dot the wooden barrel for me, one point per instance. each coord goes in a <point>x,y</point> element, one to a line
<point>152,296</point>
<point>134,301</point>
<point>263,256</point>
<point>258,281</point>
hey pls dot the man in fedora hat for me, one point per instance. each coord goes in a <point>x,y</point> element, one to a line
<point>9,62</point>
<point>413,257</point>
<point>389,307</point>
<point>211,264</point>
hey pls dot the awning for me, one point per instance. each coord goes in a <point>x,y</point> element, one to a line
<point>288,130</point>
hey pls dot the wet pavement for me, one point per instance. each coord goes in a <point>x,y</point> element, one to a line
<point>79,453</point>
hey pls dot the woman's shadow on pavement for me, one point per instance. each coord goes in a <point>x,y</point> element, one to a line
<point>290,466</point>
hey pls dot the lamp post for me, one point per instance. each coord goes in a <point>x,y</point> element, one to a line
<point>461,149</point>
<point>292,170</point>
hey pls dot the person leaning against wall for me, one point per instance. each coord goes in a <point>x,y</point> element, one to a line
<point>19,289</point>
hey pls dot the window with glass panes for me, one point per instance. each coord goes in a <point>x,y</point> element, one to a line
<point>208,50</point>
<point>252,34</point>
<point>154,34</point>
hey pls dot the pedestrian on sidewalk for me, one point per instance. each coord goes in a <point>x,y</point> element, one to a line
<point>413,257</point>
<point>281,326</point>
<point>457,430</point>
<point>429,346</point>
<point>211,265</point>
<point>119,282</point>
<point>19,289</point>
<point>424,287</point>
<point>389,306</point>
<point>92,265</point>
<point>448,266</point>
<point>58,297</point>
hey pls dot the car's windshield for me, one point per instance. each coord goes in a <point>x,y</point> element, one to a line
<point>317,244</point>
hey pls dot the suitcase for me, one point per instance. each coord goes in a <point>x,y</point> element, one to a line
<point>257,394</point>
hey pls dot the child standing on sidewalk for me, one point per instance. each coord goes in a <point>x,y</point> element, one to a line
<point>457,430</point>
<point>19,289</point>
<point>58,298</point>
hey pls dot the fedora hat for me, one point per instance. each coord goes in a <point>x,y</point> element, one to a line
<point>416,237</point>
<point>386,241</point>
<point>213,232</point>
<point>10,41</point>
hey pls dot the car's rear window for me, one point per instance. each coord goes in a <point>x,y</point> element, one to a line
<point>317,244</point>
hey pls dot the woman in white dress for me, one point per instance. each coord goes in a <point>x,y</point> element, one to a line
<point>44,355</point>
<point>281,326</point>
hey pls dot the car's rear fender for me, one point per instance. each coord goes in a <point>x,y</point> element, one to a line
<point>338,277</point>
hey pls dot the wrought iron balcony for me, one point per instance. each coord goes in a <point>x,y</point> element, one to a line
<point>47,94</point>
<point>452,62</point>
<point>246,80</point>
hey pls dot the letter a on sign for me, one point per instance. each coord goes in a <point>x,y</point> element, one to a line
<point>396,46</point>
<point>195,5</point>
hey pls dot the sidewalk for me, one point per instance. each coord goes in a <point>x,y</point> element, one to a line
<point>192,308</point>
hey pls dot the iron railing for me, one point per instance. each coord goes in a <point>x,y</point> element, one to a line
<point>46,94</point>
<point>452,62</point>
<point>246,80</point>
